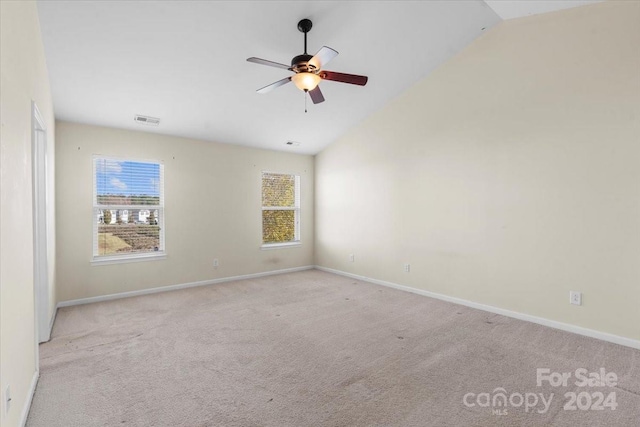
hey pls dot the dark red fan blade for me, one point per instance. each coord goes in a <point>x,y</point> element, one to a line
<point>274,85</point>
<point>316,95</point>
<point>269,63</point>
<point>344,78</point>
<point>324,55</point>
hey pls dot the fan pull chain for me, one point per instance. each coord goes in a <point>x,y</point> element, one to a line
<point>306,92</point>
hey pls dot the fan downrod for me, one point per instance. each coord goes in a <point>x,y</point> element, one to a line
<point>300,63</point>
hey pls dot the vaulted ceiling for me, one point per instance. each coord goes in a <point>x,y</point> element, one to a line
<point>185,61</point>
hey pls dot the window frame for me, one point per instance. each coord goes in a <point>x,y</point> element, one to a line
<point>96,208</point>
<point>297,212</point>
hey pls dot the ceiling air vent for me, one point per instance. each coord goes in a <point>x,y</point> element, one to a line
<point>144,120</point>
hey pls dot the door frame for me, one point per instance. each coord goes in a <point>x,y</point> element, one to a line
<point>40,218</point>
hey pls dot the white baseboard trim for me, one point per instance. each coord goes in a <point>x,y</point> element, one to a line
<point>179,286</point>
<point>628,342</point>
<point>27,404</point>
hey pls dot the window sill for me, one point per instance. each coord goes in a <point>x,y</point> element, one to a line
<point>106,260</point>
<point>269,246</point>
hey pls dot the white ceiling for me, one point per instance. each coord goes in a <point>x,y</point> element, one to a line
<point>508,9</point>
<point>185,62</point>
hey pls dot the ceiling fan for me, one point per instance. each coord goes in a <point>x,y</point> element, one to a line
<point>309,69</point>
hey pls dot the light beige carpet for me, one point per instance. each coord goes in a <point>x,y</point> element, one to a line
<point>315,349</point>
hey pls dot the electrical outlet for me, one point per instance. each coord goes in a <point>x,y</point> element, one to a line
<point>7,400</point>
<point>352,257</point>
<point>575,298</point>
<point>215,263</point>
<point>407,268</point>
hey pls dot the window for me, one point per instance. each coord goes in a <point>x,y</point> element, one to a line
<point>128,209</point>
<point>280,209</point>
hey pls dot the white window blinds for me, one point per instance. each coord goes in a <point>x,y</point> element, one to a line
<point>128,202</point>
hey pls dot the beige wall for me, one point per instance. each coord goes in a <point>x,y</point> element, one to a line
<point>23,78</point>
<point>212,210</point>
<point>508,177</point>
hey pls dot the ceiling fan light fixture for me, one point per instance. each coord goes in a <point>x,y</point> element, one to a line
<point>309,70</point>
<point>306,81</point>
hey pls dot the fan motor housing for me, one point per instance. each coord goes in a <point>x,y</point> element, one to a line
<point>300,63</point>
